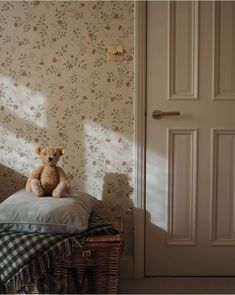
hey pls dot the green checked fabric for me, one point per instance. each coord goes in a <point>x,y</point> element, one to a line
<point>24,256</point>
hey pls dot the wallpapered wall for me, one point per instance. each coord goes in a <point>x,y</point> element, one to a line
<point>56,88</point>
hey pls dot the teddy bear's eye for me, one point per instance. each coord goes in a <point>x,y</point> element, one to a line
<point>54,154</point>
<point>45,154</point>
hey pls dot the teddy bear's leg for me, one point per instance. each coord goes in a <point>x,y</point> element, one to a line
<point>28,185</point>
<point>36,188</point>
<point>60,190</point>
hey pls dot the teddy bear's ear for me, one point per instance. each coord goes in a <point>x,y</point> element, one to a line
<point>61,150</point>
<point>38,150</point>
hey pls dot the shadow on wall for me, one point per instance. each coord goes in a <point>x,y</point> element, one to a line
<point>116,201</point>
<point>10,182</point>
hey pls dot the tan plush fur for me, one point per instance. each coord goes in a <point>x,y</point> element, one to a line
<point>49,179</point>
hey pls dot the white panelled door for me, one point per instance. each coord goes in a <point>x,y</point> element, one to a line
<point>190,158</point>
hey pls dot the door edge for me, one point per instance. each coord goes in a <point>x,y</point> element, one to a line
<point>140,134</point>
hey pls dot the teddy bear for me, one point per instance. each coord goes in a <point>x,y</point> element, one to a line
<point>49,179</point>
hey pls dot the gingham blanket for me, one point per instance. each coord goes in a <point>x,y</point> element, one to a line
<point>25,256</point>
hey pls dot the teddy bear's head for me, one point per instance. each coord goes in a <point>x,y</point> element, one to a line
<point>50,155</point>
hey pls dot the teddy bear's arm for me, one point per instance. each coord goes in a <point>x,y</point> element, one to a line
<point>62,175</point>
<point>64,178</point>
<point>37,172</point>
<point>35,175</point>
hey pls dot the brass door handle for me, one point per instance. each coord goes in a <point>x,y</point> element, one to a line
<point>159,114</point>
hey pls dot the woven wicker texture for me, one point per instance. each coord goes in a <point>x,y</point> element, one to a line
<point>92,269</point>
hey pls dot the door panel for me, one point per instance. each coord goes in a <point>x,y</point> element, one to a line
<point>224,50</point>
<point>183,50</point>
<point>182,179</point>
<point>190,221</point>
<point>223,187</point>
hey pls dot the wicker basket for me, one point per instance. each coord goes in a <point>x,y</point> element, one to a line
<point>92,269</point>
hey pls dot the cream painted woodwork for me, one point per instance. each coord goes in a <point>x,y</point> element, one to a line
<point>190,159</point>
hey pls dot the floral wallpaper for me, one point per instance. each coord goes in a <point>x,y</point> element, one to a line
<point>57,88</point>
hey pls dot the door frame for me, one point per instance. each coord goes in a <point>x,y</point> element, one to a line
<point>140,32</point>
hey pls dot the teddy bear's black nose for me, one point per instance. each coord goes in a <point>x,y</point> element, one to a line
<point>50,159</point>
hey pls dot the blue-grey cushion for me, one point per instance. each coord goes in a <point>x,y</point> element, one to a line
<point>25,212</point>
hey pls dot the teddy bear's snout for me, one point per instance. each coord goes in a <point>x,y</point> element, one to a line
<point>50,159</point>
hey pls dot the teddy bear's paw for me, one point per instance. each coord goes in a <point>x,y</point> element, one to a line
<point>36,188</point>
<point>39,193</point>
<point>59,191</point>
<point>56,194</point>
<point>27,189</point>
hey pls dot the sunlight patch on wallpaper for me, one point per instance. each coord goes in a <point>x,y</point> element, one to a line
<point>106,150</point>
<point>16,152</point>
<point>21,104</point>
